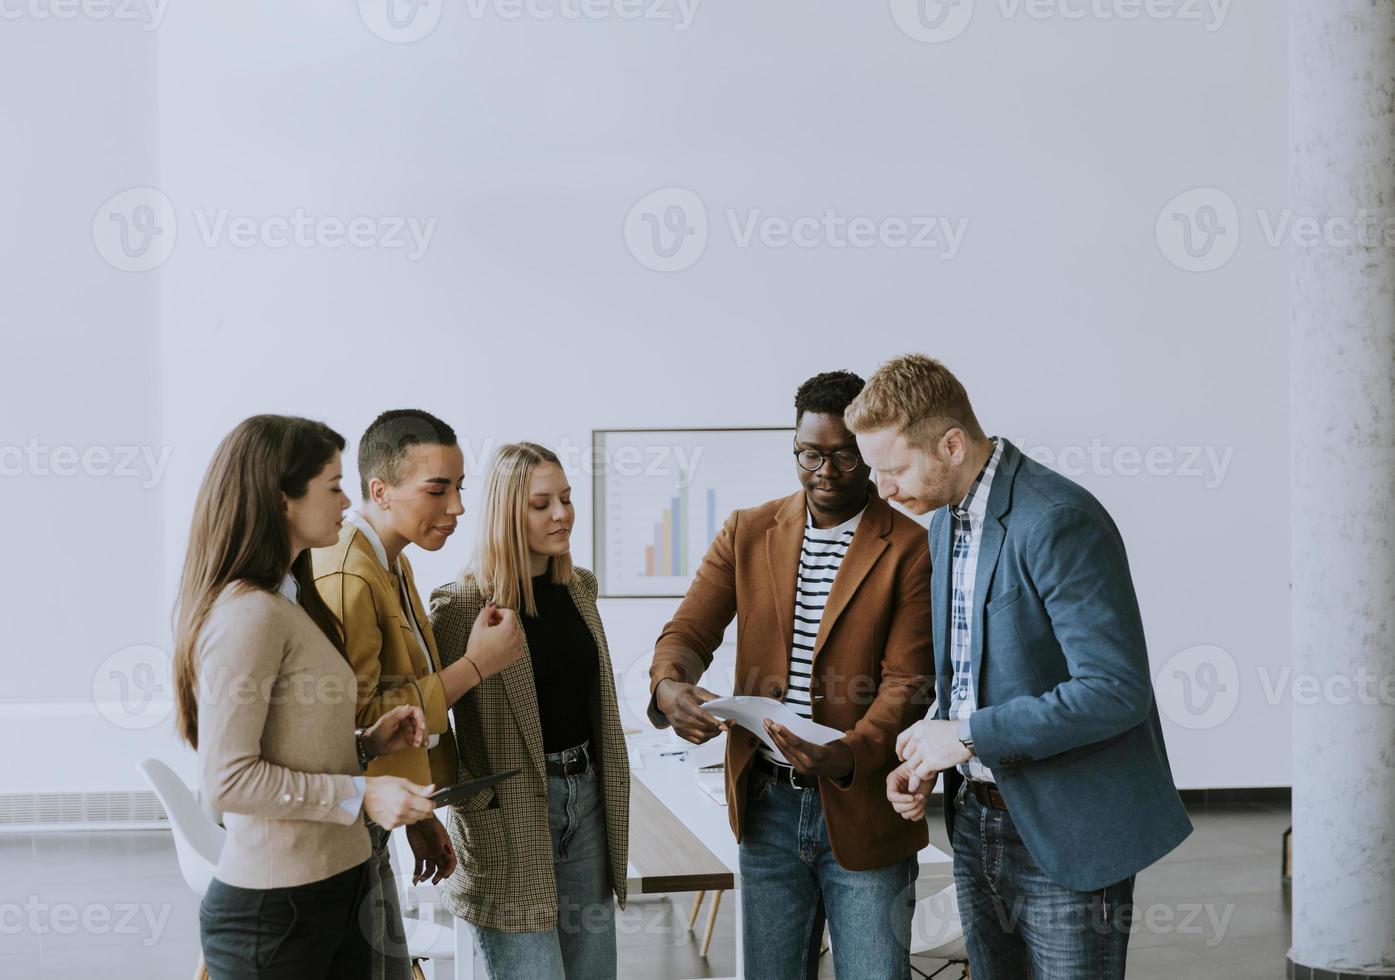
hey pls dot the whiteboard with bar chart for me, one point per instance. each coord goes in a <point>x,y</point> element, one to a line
<point>661,496</point>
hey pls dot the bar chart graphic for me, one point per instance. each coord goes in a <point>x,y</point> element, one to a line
<point>661,496</point>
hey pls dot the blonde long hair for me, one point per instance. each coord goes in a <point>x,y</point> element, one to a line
<point>502,566</point>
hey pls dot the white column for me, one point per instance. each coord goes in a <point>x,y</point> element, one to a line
<point>1342,114</point>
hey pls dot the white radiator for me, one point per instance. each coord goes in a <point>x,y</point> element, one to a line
<point>72,765</point>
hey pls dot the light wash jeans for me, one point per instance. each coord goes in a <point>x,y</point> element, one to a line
<point>790,881</point>
<point>582,947</point>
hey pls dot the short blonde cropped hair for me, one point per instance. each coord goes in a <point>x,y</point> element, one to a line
<point>915,395</point>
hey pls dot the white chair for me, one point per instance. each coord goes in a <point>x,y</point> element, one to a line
<point>936,931</point>
<point>197,839</point>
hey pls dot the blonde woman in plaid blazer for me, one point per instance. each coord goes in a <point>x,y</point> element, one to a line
<point>543,856</point>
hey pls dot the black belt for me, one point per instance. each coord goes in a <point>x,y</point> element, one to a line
<point>574,766</point>
<point>986,793</point>
<point>787,775</point>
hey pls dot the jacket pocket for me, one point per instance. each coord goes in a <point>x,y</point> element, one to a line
<point>1002,601</point>
<point>481,840</point>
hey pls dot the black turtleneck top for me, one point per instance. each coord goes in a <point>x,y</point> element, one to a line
<point>563,654</point>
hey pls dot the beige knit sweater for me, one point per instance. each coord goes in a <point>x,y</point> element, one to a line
<point>276,742</point>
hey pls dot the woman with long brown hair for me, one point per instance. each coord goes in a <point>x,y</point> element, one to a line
<point>543,857</point>
<point>267,698</point>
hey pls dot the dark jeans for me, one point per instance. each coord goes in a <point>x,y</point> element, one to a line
<point>1019,923</point>
<point>305,932</point>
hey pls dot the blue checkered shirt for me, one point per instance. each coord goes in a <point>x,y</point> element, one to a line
<point>966,530</point>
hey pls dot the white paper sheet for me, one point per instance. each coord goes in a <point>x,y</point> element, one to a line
<point>750,713</point>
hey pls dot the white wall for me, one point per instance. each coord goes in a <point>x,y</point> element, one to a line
<point>528,142</point>
<point>81,384</point>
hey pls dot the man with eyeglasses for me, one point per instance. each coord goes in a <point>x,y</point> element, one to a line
<point>830,588</point>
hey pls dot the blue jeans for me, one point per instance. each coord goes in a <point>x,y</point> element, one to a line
<point>1017,921</point>
<point>582,947</point>
<point>790,881</point>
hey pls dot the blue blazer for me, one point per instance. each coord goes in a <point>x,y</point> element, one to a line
<point>1067,720</point>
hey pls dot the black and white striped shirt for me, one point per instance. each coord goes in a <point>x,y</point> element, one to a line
<point>820,557</point>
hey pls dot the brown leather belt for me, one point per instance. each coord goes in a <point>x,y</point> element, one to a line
<point>986,793</point>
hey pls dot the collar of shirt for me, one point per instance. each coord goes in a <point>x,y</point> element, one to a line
<point>975,503</point>
<point>290,588</point>
<point>359,521</point>
<point>849,525</point>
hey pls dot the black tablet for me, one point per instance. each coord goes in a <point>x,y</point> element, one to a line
<point>463,791</point>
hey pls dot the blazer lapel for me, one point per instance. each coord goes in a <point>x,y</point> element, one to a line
<point>423,620</point>
<point>523,701</point>
<point>941,583</point>
<point>583,602</point>
<point>868,543</point>
<point>990,547</point>
<point>782,545</point>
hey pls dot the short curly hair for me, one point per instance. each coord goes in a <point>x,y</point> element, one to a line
<point>829,393</point>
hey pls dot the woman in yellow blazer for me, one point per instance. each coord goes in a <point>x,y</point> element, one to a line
<point>543,856</point>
